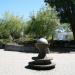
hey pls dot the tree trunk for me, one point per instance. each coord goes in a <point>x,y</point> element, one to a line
<point>52,37</point>
<point>73,27</point>
<point>73,30</point>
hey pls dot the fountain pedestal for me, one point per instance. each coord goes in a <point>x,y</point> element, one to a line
<point>42,62</point>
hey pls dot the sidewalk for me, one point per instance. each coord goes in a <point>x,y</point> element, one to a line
<point>13,63</point>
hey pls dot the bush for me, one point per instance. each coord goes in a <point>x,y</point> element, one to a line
<point>1,41</point>
<point>25,41</point>
<point>5,41</point>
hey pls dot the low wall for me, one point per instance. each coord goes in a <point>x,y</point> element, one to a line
<point>21,48</point>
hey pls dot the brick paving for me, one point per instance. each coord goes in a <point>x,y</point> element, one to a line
<point>13,63</point>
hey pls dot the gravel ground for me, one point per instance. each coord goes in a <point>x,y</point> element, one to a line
<point>13,63</point>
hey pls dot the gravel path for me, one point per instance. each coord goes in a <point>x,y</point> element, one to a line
<point>13,63</point>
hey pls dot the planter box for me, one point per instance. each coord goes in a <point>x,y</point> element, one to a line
<point>15,47</point>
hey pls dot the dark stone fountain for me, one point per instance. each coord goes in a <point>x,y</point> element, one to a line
<point>42,62</point>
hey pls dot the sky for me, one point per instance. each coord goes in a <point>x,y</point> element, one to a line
<point>21,7</point>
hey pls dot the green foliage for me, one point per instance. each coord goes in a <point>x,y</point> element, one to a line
<point>44,23</point>
<point>64,27</point>
<point>4,41</point>
<point>66,8</point>
<point>24,41</point>
<point>4,32</point>
<point>11,25</point>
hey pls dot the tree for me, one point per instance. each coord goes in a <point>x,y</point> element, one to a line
<point>11,25</point>
<point>43,23</point>
<point>66,10</point>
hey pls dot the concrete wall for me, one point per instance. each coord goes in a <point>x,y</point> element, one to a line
<point>27,48</point>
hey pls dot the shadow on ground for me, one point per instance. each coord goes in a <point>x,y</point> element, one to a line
<point>38,69</point>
